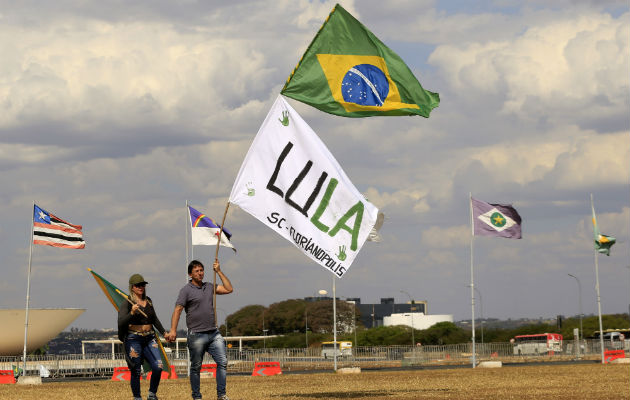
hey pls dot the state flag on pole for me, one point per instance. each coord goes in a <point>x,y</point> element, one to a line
<point>603,243</point>
<point>49,230</point>
<point>501,220</point>
<point>205,232</point>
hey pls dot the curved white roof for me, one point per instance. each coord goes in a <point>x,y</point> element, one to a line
<point>44,325</point>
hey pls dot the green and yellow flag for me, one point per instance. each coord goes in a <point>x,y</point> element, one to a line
<point>348,71</point>
<point>117,297</point>
<point>603,243</point>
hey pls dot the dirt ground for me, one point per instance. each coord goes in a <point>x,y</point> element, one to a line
<point>548,382</point>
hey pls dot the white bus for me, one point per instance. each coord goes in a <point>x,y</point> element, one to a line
<point>343,349</point>
<point>541,343</point>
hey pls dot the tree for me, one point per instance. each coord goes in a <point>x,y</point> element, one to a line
<point>247,321</point>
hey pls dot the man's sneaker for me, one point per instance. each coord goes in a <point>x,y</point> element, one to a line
<point>224,397</point>
<point>152,396</point>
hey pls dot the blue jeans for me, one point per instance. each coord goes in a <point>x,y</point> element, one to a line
<point>137,349</point>
<point>198,344</point>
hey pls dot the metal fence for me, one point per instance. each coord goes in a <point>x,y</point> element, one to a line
<point>242,361</point>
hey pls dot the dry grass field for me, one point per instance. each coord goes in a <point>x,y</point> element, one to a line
<point>548,382</point>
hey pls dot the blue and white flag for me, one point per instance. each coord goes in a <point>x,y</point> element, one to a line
<point>205,232</point>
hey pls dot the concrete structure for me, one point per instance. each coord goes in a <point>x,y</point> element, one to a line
<point>420,320</point>
<point>372,315</point>
<point>44,324</point>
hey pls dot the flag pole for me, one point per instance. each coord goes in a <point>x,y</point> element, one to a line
<point>472,281</point>
<point>28,290</point>
<point>187,220</point>
<point>216,258</point>
<point>599,303</point>
<point>337,346</point>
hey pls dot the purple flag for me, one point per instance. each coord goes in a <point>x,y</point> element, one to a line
<point>500,220</point>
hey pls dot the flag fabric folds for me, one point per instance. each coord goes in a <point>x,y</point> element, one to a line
<point>291,182</point>
<point>603,243</point>
<point>49,230</point>
<point>204,231</point>
<point>500,220</point>
<point>348,71</point>
<point>117,298</point>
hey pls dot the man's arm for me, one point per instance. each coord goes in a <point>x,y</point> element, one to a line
<point>177,312</point>
<point>226,286</point>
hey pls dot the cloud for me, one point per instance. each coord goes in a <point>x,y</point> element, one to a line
<point>543,70</point>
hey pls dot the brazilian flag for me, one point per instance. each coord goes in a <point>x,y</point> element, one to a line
<point>602,242</point>
<point>348,71</point>
<point>117,297</point>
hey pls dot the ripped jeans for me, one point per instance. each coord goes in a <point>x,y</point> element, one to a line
<point>137,349</point>
<point>198,344</point>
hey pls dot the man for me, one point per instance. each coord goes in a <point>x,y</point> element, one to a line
<point>203,336</point>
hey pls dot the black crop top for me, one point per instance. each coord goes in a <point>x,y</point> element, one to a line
<point>125,318</point>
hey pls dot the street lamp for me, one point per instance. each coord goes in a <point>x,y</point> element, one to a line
<point>580,302</point>
<point>413,340</point>
<point>264,331</point>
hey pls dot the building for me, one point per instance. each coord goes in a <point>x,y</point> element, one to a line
<point>372,315</point>
<point>416,320</point>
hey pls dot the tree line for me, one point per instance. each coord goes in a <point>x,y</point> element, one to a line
<point>301,322</point>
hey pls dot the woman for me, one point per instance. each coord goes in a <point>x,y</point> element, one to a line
<point>135,330</point>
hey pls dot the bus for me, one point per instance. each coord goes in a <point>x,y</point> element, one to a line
<point>343,349</point>
<point>541,343</point>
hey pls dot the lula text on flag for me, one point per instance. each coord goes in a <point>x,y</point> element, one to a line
<point>291,182</point>
<point>49,230</point>
<point>501,220</point>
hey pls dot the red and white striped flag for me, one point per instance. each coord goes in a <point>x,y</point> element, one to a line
<point>49,230</point>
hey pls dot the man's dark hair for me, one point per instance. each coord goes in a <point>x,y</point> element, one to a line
<point>193,264</point>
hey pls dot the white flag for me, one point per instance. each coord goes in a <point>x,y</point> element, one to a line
<point>292,183</point>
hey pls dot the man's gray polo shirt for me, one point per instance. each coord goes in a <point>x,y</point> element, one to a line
<point>197,301</point>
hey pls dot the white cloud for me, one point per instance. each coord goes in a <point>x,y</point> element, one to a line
<point>543,69</point>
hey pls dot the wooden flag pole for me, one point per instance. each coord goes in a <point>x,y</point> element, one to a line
<point>216,258</point>
<point>130,302</point>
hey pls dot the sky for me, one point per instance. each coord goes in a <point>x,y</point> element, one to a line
<point>114,114</point>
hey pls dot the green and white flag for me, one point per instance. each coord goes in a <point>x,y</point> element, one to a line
<point>293,184</point>
<point>501,220</point>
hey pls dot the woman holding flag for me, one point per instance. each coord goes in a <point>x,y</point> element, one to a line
<point>135,329</point>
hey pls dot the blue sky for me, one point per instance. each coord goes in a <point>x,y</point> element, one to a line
<point>113,115</point>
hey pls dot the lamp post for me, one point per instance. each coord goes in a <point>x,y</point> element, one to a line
<point>413,340</point>
<point>264,331</point>
<point>306,324</point>
<point>580,303</point>
<point>354,320</point>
